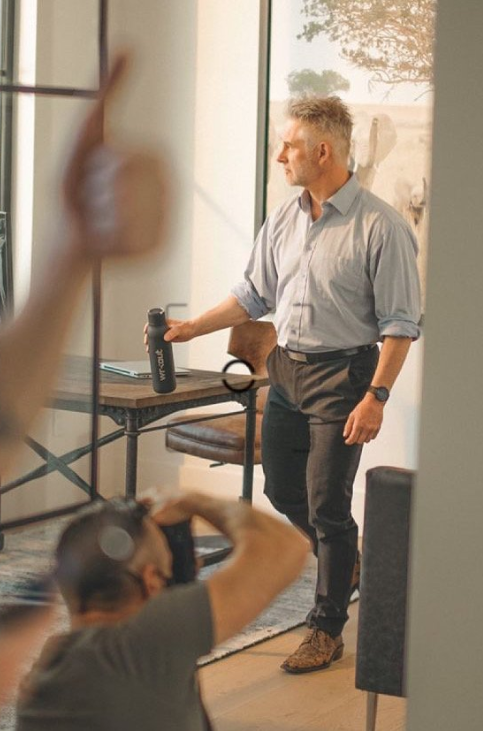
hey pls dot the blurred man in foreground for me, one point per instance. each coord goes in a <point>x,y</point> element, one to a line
<point>129,659</point>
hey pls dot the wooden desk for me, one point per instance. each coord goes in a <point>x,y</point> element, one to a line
<point>133,405</point>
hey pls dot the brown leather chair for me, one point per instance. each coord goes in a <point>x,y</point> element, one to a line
<point>223,440</point>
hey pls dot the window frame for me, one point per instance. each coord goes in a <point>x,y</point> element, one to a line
<point>8,89</point>
<point>7,30</point>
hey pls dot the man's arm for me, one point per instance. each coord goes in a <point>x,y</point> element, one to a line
<point>365,420</point>
<point>113,204</point>
<point>268,555</point>
<point>394,274</point>
<point>250,299</point>
<point>227,314</point>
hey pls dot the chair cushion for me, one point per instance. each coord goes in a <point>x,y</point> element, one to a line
<point>220,440</point>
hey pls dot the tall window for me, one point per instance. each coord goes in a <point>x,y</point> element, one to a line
<point>48,75</point>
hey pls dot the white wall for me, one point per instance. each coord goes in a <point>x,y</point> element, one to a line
<point>203,60</point>
<point>157,108</point>
<point>224,204</point>
<point>446,637</point>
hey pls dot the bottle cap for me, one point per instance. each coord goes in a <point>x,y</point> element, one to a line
<point>156,316</point>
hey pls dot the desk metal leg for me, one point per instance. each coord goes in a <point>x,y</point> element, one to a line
<point>132,436</point>
<point>251,414</point>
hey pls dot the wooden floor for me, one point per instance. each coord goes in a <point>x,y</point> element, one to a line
<point>248,691</point>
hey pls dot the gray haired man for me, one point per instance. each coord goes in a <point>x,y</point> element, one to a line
<point>337,267</point>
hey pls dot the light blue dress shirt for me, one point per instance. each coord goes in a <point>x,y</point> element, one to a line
<point>348,279</point>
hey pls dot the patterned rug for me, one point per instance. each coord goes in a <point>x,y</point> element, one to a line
<point>27,554</point>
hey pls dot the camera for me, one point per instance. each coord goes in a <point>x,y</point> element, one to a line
<point>181,544</point>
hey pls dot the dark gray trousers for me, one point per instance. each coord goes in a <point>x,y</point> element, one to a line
<point>310,471</point>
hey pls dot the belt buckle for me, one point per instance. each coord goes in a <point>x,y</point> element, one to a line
<point>297,356</point>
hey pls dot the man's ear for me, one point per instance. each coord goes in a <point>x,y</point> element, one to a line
<point>324,151</point>
<point>152,579</point>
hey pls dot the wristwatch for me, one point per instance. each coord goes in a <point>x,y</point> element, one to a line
<point>380,392</point>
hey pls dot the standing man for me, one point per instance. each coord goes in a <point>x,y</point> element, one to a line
<point>337,266</point>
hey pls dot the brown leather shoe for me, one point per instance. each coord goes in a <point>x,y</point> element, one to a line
<point>317,651</point>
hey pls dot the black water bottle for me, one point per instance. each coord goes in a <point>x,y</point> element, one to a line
<point>160,352</point>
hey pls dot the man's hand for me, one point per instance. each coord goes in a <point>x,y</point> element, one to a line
<point>115,200</point>
<point>180,331</point>
<point>176,510</point>
<point>228,313</point>
<point>364,421</point>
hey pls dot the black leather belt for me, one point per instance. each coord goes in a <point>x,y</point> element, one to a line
<point>329,355</point>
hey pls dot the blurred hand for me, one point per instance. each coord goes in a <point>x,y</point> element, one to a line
<point>172,512</point>
<point>115,199</point>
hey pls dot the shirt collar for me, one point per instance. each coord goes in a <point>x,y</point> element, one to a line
<point>345,196</point>
<point>341,200</point>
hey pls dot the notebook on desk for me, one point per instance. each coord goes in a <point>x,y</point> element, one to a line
<point>135,368</point>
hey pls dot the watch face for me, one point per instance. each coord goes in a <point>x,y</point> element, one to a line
<point>381,393</point>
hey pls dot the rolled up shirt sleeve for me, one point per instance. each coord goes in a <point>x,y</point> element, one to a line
<point>249,299</point>
<point>257,293</point>
<point>395,278</point>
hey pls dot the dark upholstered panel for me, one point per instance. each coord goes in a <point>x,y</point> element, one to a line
<point>383,600</point>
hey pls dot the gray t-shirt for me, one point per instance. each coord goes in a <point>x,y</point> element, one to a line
<point>135,675</point>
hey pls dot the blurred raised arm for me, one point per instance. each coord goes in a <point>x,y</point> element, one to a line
<point>113,202</point>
